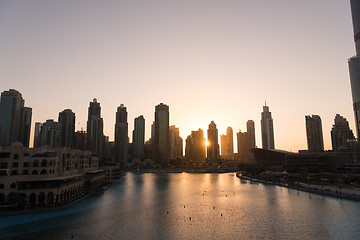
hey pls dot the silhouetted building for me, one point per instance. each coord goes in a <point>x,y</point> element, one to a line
<point>15,119</point>
<point>354,64</point>
<point>121,136</point>
<point>37,134</point>
<point>25,126</point>
<point>242,142</point>
<point>246,140</point>
<point>195,147</point>
<point>67,122</point>
<point>80,140</point>
<point>341,135</point>
<point>50,134</point>
<point>227,143</point>
<point>213,147</point>
<point>176,143</point>
<point>94,129</point>
<point>314,133</point>
<point>161,136</point>
<point>139,137</point>
<point>267,129</point>
<point>250,127</point>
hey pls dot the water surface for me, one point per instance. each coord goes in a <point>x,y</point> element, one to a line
<point>192,206</point>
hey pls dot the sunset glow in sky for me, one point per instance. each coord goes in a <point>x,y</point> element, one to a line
<point>208,60</point>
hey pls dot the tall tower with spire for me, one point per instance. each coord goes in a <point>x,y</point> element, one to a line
<point>267,129</point>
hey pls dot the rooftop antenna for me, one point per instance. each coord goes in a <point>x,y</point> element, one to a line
<point>265,103</point>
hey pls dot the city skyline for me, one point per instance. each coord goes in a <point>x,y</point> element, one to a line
<point>219,64</point>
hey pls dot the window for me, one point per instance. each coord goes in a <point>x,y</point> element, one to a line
<point>26,164</point>
<point>25,172</point>
<point>14,172</point>
<point>44,163</point>
<point>26,154</point>
<point>34,172</point>
<point>16,156</point>
<point>15,164</point>
<point>43,171</point>
<point>13,185</point>
<point>36,163</point>
<point>4,155</point>
<point>2,186</point>
<point>3,165</point>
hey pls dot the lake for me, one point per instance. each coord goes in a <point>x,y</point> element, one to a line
<point>192,206</point>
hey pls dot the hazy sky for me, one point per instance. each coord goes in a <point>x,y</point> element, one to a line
<point>208,60</point>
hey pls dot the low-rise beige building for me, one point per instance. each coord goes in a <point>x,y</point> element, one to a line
<point>46,176</point>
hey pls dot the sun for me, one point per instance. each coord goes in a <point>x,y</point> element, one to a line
<point>207,143</point>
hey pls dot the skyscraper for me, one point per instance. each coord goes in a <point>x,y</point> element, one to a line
<point>267,129</point>
<point>162,133</point>
<point>246,140</point>
<point>121,136</point>
<point>176,143</point>
<point>139,137</point>
<point>37,134</point>
<point>50,134</point>
<point>227,143</point>
<point>241,141</point>
<point>195,147</point>
<point>354,64</point>
<point>213,146</point>
<point>250,128</point>
<point>341,135</point>
<point>25,126</point>
<point>95,125</point>
<point>67,121</point>
<point>15,119</point>
<point>314,133</point>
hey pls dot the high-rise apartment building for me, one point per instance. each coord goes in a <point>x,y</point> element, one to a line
<point>227,143</point>
<point>250,128</point>
<point>121,136</point>
<point>94,129</point>
<point>314,133</point>
<point>176,143</point>
<point>37,134</point>
<point>213,142</point>
<point>267,129</point>
<point>354,64</point>
<point>341,135</point>
<point>161,136</point>
<point>15,119</point>
<point>50,134</point>
<point>241,141</point>
<point>139,137</point>
<point>195,147</point>
<point>67,122</point>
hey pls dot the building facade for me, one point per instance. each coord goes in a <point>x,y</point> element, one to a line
<point>341,135</point>
<point>67,122</point>
<point>213,141</point>
<point>15,119</point>
<point>50,134</point>
<point>46,177</point>
<point>161,136</point>
<point>94,129</point>
<point>267,129</point>
<point>139,137</point>
<point>195,147</point>
<point>121,136</point>
<point>176,143</point>
<point>314,133</point>
<point>227,143</point>
<point>354,64</point>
